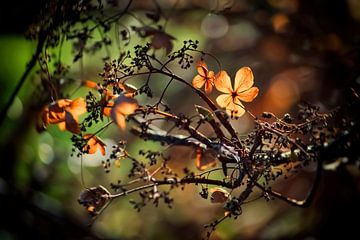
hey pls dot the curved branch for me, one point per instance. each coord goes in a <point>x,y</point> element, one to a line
<point>172,181</point>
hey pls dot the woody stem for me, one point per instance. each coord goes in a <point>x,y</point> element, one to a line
<point>210,103</point>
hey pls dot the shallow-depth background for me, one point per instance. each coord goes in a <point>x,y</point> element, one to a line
<point>298,50</point>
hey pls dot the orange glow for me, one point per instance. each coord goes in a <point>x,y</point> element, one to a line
<point>204,77</point>
<point>280,22</point>
<point>242,91</point>
<point>123,106</point>
<point>93,144</point>
<point>65,113</point>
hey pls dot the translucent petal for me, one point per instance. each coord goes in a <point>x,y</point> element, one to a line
<point>244,79</point>
<point>248,95</point>
<point>208,87</point>
<point>224,100</point>
<point>223,82</point>
<point>77,107</point>
<point>125,105</point>
<point>236,109</point>
<point>202,69</point>
<point>198,81</point>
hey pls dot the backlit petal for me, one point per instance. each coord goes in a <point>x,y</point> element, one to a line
<point>202,69</point>
<point>53,114</point>
<point>224,100</point>
<point>198,81</point>
<point>223,82</point>
<point>208,86</point>
<point>244,79</point>
<point>93,144</point>
<point>90,146</point>
<point>125,105</point>
<point>127,89</point>
<point>89,84</point>
<point>107,94</point>
<point>236,109</point>
<point>61,103</point>
<point>211,75</point>
<point>107,109</point>
<point>248,95</point>
<point>77,107</point>
<point>120,121</point>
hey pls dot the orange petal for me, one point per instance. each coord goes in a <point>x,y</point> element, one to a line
<point>55,117</point>
<point>71,123</point>
<point>248,95</point>
<point>128,90</point>
<point>48,117</point>
<point>53,113</point>
<point>223,82</point>
<point>224,100</point>
<point>89,84</point>
<point>205,159</point>
<point>61,103</point>
<point>211,76</point>
<point>198,81</point>
<point>244,79</point>
<point>90,146</point>
<point>77,107</point>
<point>93,144</point>
<point>107,109</point>
<point>107,94</point>
<point>119,120</point>
<point>208,86</point>
<point>102,148</point>
<point>236,109</point>
<point>125,105</point>
<point>202,69</point>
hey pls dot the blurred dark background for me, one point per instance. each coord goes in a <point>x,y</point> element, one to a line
<point>299,51</point>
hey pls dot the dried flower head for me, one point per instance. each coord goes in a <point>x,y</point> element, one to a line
<point>243,91</point>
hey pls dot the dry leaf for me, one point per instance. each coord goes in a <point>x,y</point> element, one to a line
<point>76,107</point>
<point>71,124</point>
<point>65,113</point>
<point>93,144</point>
<point>123,106</point>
